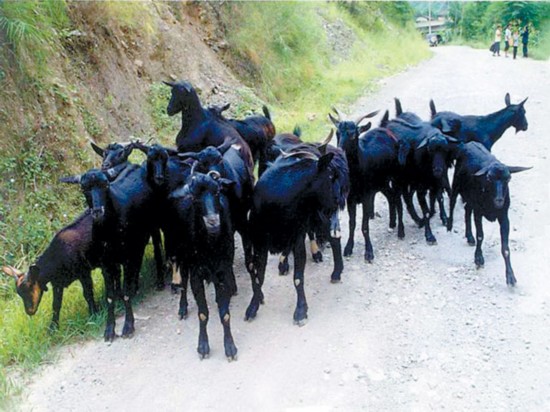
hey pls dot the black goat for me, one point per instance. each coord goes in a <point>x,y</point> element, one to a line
<point>115,158</point>
<point>483,129</point>
<point>204,211</point>
<point>256,130</point>
<point>293,192</point>
<point>70,256</point>
<point>121,213</point>
<point>413,118</point>
<point>287,143</point>
<point>426,155</point>
<point>482,181</point>
<point>373,161</point>
<point>200,128</point>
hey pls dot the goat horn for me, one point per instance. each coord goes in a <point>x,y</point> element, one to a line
<point>301,154</point>
<point>329,138</point>
<point>367,116</point>
<point>214,174</point>
<point>168,83</point>
<point>195,164</point>
<point>12,272</point>
<point>337,112</point>
<point>191,155</point>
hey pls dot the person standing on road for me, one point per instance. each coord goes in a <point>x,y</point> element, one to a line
<point>515,39</point>
<point>498,38</point>
<point>525,39</point>
<point>507,39</point>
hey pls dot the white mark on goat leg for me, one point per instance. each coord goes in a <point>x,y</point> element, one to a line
<point>176,275</point>
<point>226,317</point>
<point>314,247</point>
<point>202,317</point>
<point>297,282</point>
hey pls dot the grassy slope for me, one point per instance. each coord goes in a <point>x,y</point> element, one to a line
<point>291,69</point>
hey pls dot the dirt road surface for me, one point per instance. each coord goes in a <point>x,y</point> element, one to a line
<point>418,329</point>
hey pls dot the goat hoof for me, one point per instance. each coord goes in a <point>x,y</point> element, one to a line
<point>251,312</point>
<point>300,316</point>
<point>348,251</point>
<point>204,350</point>
<point>317,257</point>
<point>109,335</point>
<point>335,278</point>
<point>182,313</point>
<point>53,328</point>
<point>471,242</point>
<point>231,351</point>
<point>128,331</point>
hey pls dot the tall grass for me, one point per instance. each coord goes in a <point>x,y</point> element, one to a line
<point>283,48</point>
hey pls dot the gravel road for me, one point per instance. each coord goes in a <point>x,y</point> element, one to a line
<point>418,329</point>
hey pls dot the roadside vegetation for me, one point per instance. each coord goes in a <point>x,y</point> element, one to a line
<point>299,58</point>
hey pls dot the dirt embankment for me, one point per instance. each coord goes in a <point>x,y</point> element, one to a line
<point>418,329</point>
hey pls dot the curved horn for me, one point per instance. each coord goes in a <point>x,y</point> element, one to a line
<point>214,174</point>
<point>423,143</point>
<point>168,83</point>
<point>195,164</point>
<point>334,121</point>
<point>337,112</point>
<point>329,138</point>
<point>100,151</point>
<point>368,115</point>
<point>523,102</point>
<point>12,272</point>
<point>190,155</point>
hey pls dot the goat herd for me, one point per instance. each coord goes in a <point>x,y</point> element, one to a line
<point>201,193</point>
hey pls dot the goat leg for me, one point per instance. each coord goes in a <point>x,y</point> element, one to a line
<point>336,247</point>
<point>197,285</point>
<point>300,313</point>
<point>505,250</point>
<point>257,279</point>
<point>222,299</point>
<point>352,210</point>
<point>478,257</point>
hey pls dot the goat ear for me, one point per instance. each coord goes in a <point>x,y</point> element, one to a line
<point>181,192</point>
<point>168,83</point>
<point>445,126</point>
<point>75,180</point>
<point>433,111</point>
<point>517,169</point>
<point>226,184</point>
<point>297,131</point>
<point>97,149</point>
<point>143,147</point>
<point>334,121</point>
<point>12,272</point>
<point>507,99</point>
<point>364,128</point>
<point>403,153</point>
<point>385,119</point>
<point>398,108</point>
<point>34,273</point>
<point>225,107</point>
<point>324,162</point>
